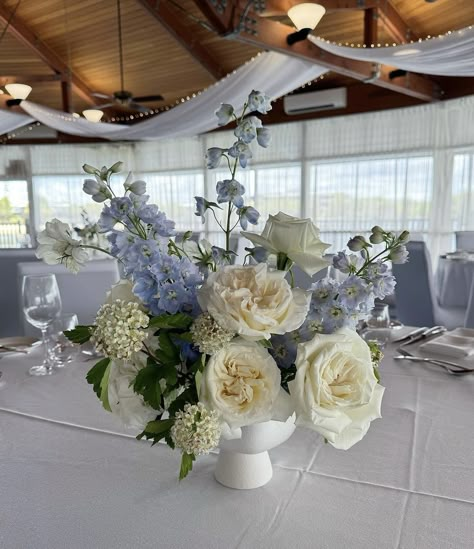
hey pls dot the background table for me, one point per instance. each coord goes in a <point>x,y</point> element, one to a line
<point>72,477</point>
<point>454,282</point>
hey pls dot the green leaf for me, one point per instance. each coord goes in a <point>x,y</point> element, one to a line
<point>186,465</point>
<point>179,321</point>
<point>376,374</point>
<point>189,395</point>
<point>80,334</point>
<point>95,375</point>
<point>168,348</point>
<point>265,343</point>
<point>147,384</point>
<point>156,430</point>
<point>186,336</point>
<point>198,380</point>
<point>287,374</point>
<point>104,389</point>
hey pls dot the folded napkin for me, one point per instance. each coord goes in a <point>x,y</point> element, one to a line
<point>450,344</point>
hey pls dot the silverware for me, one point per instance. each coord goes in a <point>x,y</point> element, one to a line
<point>409,335</point>
<point>428,332</point>
<point>439,362</point>
<point>13,349</point>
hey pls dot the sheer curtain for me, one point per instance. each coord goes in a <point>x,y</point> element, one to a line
<point>410,167</point>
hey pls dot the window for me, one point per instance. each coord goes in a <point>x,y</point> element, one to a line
<point>14,214</point>
<point>349,196</point>
<point>62,196</point>
<point>462,201</point>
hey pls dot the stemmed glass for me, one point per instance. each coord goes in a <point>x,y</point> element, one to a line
<point>41,305</point>
<point>62,350</point>
<point>378,325</point>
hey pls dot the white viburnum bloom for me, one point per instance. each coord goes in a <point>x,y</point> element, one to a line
<point>123,401</point>
<point>196,429</point>
<point>335,391</point>
<point>242,383</point>
<point>296,238</point>
<point>253,301</point>
<point>56,245</point>
<point>120,329</point>
<point>208,336</point>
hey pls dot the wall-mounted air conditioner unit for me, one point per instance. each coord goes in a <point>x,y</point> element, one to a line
<point>324,100</point>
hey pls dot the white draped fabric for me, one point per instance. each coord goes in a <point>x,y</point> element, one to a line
<point>273,73</point>
<point>10,121</point>
<point>448,55</point>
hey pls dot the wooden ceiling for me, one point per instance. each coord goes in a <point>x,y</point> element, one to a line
<point>177,47</point>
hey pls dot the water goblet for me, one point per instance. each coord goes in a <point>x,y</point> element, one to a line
<point>41,306</point>
<point>62,350</point>
<point>378,325</point>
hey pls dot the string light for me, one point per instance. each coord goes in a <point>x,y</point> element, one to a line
<point>14,134</point>
<point>459,32</point>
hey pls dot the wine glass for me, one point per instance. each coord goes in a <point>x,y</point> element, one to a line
<point>62,350</point>
<point>41,305</point>
<point>378,325</point>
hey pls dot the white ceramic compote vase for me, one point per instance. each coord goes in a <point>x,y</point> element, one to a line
<point>244,463</point>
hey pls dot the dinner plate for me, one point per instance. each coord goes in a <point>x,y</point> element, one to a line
<point>20,342</point>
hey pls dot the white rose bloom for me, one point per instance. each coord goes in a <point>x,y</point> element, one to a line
<point>56,245</point>
<point>253,301</point>
<point>295,237</point>
<point>122,290</point>
<point>335,391</point>
<point>123,401</point>
<point>241,382</point>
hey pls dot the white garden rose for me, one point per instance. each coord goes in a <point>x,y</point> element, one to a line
<point>253,301</point>
<point>122,290</point>
<point>241,382</point>
<point>123,401</point>
<point>335,391</point>
<point>296,238</point>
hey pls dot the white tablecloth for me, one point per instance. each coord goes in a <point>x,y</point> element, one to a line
<point>71,477</point>
<point>454,282</point>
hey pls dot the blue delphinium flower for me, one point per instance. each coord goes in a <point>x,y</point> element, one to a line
<point>259,254</point>
<point>347,263</point>
<point>263,137</point>
<point>324,291</point>
<point>284,348</point>
<point>214,156</point>
<point>201,207</point>
<point>248,214</point>
<point>259,102</point>
<point>398,255</point>
<point>241,151</point>
<point>246,130</point>
<point>353,291</point>
<point>172,296</point>
<point>230,190</point>
<point>224,114</point>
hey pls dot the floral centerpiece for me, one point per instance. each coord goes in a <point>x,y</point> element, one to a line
<point>197,347</point>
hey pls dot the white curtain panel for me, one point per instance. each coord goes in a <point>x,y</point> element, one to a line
<point>10,121</point>
<point>273,73</point>
<point>447,55</point>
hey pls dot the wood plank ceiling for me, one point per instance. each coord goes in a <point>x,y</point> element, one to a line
<point>83,36</point>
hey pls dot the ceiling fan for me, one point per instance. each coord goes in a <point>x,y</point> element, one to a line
<point>122,97</point>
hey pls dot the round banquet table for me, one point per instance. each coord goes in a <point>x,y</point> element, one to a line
<point>72,477</point>
<point>454,281</point>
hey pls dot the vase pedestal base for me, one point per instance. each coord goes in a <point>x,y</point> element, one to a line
<point>243,471</point>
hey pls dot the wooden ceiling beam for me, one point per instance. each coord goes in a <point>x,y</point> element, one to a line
<point>170,19</point>
<point>23,78</point>
<point>280,7</point>
<point>394,23</point>
<point>266,34</point>
<point>27,37</point>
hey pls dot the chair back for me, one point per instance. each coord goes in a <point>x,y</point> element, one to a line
<point>82,293</point>
<point>465,241</point>
<point>414,292</point>
<point>11,317</point>
<point>469,320</point>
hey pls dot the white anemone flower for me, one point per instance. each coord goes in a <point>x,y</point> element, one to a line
<point>56,245</point>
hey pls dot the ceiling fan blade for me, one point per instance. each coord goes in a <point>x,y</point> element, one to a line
<point>106,105</point>
<point>101,95</point>
<point>146,98</point>
<point>138,107</point>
